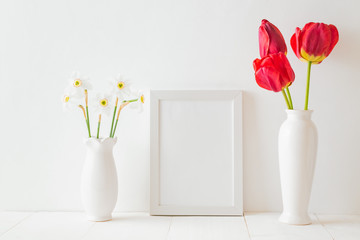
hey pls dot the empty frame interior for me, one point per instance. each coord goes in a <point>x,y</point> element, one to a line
<point>196,162</point>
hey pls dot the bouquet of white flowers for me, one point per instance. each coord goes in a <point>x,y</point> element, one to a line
<point>119,96</point>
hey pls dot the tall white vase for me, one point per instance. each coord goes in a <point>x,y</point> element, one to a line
<point>99,186</point>
<point>297,156</point>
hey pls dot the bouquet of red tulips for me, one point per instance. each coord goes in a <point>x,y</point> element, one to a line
<point>311,44</point>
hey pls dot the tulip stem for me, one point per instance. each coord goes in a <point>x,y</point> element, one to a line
<point>290,100</point>
<point>307,86</point>
<point>286,98</point>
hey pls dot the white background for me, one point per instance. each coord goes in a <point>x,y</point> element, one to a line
<point>162,44</point>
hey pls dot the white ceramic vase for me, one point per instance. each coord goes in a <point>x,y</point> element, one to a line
<point>99,186</point>
<point>297,156</point>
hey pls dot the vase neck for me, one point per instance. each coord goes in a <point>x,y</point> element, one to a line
<point>299,114</point>
<point>102,143</point>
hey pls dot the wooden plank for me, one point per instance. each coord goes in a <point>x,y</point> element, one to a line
<point>265,226</point>
<point>50,225</point>
<point>9,219</point>
<point>208,228</point>
<point>131,226</point>
<point>342,227</point>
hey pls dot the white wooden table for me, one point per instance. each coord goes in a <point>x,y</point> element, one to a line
<point>256,226</point>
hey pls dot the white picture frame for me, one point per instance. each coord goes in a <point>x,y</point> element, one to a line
<point>196,152</point>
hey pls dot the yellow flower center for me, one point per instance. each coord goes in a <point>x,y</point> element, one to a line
<point>104,102</point>
<point>66,99</point>
<point>142,98</point>
<point>77,83</point>
<point>121,85</point>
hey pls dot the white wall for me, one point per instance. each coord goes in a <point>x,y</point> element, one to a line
<point>162,44</point>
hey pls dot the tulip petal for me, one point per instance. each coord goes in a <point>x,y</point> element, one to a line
<point>270,39</point>
<point>334,37</point>
<point>273,72</point>
<point>314,42</point>
<point>316,39</point>
<point>256,64</point>
<point>286,69</point>
<point>312,58</point>
<point>295,42</point>
<point>263,41</point>
<point>266,78</point>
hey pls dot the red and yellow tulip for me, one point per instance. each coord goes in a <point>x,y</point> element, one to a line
<point>314,42</point>
<point>273,72</point>
<point>270,39</point>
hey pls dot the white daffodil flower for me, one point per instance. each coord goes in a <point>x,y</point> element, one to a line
<point>139,103</point>
<point>103,104</point>
<point>78,83</point>
<point>70,103</point>
<point>120,87</point>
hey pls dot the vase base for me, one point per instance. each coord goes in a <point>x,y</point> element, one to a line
<point>99,219</point>
<point>295,219</point>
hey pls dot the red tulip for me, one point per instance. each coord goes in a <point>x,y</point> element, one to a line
<point>270,39</point>
<point>314,42</point>
<point>273,72</point>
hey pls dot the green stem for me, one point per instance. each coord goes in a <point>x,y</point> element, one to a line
<point>307,87</point>
<point>286,99</point>
<point>132,100</point>
<point>113,119</point>
<point>113,134</point>
<point>125,103</point>
<point>87,127</point>
<point>290,100</point>
<point>87,121</point>
<point>83,110</point>
<point>98,128</point>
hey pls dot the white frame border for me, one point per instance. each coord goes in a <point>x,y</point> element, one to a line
<point>155,97</point>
